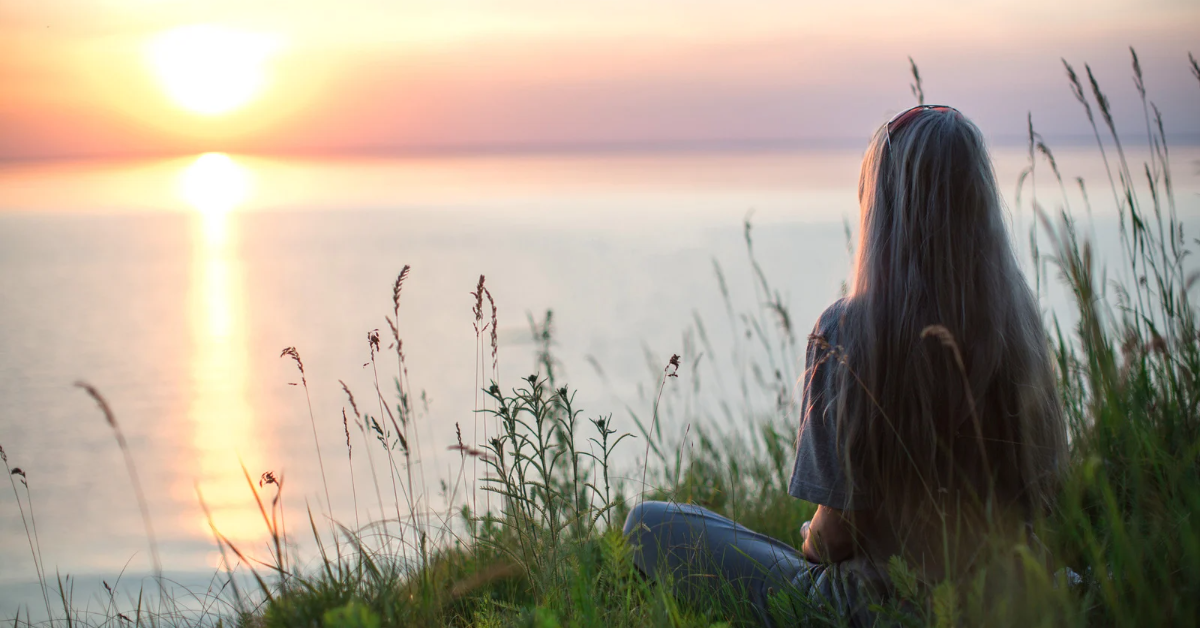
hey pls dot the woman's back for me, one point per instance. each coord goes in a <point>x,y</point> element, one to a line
<point>943,397</point>
<point>930,421</point>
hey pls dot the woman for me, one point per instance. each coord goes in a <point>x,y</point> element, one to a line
<point>930,421</point>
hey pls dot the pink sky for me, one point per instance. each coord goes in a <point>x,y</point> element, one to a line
<point>350,76</point>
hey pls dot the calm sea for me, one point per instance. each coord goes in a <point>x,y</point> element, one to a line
<point>173,285</point>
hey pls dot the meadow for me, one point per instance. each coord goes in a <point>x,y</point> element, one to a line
<point>532,535</point>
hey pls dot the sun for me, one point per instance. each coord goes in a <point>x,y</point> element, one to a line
<point>211,70</point>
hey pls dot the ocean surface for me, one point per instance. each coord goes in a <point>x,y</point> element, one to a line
<point>173,285</point>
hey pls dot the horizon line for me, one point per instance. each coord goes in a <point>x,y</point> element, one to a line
<point>765,145</point>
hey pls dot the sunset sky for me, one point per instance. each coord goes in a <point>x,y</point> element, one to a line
<point>134,77</point>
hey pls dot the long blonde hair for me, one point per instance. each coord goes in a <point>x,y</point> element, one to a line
<point>947,394</point>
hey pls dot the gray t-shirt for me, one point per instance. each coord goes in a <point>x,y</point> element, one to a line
<point>819,475</point>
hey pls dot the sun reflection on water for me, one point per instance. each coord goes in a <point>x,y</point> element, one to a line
<point>214,184</point>
<point>224,431</point>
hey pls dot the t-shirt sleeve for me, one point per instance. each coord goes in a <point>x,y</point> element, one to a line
<point>819,474</point>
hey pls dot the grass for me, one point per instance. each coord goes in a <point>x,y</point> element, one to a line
<point>533,536</point>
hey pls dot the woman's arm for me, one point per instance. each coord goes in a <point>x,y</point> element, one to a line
<point>830,536</point>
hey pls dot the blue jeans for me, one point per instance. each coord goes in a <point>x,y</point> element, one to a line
<point>706,557</point>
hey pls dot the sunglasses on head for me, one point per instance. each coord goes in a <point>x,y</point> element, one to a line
<point>900,119</point>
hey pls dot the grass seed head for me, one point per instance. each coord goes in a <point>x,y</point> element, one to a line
<point>100,401</point>
<point>373,341</point>
<point>672,368</point>
<point>350,396</point>
<point>268,477</point>
<point>478,309</point>
<point>495,337</point>
<point>295,355</point>
<point>397,287</point>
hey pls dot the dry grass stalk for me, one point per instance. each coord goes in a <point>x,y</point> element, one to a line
<point>495,376</point>
<point>670,370</point>
<point>462,463</point>
<point>479,326</point>
<point>223,542</point>
<point>373,341</point>
<point>37,561</point>
<point>295,355</point>
<point>350,462</point>
<point>374,346</point>
<point>274,521</point>
<point>405,411</point>
<point>133,477</point>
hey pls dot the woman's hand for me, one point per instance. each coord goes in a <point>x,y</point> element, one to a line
<point>829,537</point>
